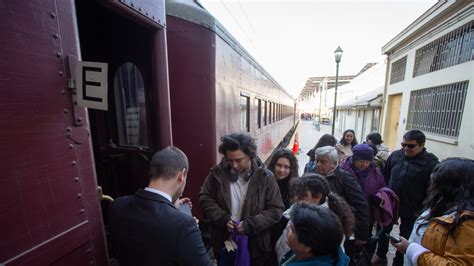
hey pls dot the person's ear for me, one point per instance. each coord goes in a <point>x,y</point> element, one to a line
<point>318,198</point>
<point>306,249</point>
<point>182,175</point>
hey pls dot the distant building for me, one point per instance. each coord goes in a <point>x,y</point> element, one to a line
<point>317,96</point>
<point>430,83</point>
<point>359,103</point>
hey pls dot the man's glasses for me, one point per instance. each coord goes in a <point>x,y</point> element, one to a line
<point>410,146</point>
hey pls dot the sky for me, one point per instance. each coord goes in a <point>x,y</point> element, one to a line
<point>295,39</point>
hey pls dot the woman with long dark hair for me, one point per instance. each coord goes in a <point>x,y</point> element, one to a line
<point>284,167</point>
<point>347,142</point>
<point>444,233</point>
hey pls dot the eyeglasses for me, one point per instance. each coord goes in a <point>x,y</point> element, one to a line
<point>410,146</point>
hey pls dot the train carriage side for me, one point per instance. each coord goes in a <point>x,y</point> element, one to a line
<point>50,210</point>
<point>216,88</point>
<point>50,214</point>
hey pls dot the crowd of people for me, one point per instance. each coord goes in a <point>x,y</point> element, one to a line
<point>340,212</point>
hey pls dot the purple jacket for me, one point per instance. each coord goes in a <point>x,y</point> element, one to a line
<point>370,180</point>
<point>387,211</point>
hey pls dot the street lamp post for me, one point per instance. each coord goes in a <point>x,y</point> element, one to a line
<point>337,56</point>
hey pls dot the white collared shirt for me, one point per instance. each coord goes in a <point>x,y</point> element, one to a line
<point>168,197</point>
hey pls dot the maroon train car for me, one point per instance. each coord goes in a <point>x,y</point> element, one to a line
<point>49,207</point>
<point>217,88</point>
<point>55,154</point>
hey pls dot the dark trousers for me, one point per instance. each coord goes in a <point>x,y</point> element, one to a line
<point>406,226</point>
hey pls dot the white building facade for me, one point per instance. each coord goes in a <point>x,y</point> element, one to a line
<point>430,80</point>
<point>359,103</point>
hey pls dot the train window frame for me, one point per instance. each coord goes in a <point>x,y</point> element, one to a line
<point>244,117</point>
<point>258,120</point>
<point>274,112</point>
<point>269,113</point>
<point>265,122</point>
<point>140,97</point>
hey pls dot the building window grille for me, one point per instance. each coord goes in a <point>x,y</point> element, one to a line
<point>397,73</point>
<point>451,49</point>
<point>438,110</point>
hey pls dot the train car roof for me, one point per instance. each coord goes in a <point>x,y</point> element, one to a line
<point>194,12</point>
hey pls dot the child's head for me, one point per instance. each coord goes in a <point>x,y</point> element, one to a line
<point>313,189</point>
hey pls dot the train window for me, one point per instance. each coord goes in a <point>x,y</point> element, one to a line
<point>269,112</point>
<point>265,114</point>
<point>244,113</point>
<point>274,112</point>
<point>131,113</point>
<point>258,113</point>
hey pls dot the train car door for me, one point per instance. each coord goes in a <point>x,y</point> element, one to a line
<point>129,37</point>
<point>50,213</point>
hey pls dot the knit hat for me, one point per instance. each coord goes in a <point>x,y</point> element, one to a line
<point>362,152</point>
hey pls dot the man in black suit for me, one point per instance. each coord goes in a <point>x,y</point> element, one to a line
<point>147,229</point>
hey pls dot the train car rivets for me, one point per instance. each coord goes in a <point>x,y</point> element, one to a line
<point>55,36</point>
<point>60,73</point>
<point>79,119</point>
<point>73,162</point>
<point>82,211</point>
<point>79,195</point>
<point>76,179</point>
<point>66,111</point>
<point>52,14</point>
<point>58,55</point>
<point>68,129</point>
<point>71,146</point>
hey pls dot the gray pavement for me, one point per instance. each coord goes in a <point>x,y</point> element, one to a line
<point>308,137</point>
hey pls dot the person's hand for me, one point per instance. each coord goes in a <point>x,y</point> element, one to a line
<point>230,225</point>
<point>240,228</point>
<point>181,201</point>
<point>359,242</point>
<point>402,245</point>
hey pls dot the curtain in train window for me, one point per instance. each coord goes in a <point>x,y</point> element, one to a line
<point>130,105</point>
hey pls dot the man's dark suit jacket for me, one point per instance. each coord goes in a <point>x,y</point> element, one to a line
<point>146,229</point>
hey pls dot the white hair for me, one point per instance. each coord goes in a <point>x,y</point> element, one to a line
<point>327,150</point>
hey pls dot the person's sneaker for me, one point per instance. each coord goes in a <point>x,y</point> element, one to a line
<point>378,261</point>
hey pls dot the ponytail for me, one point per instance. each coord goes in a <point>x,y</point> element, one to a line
<point>340,207</point>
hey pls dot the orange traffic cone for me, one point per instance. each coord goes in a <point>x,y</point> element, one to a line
<point>296,145</point>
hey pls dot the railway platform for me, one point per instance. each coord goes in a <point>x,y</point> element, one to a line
<point>308,136</point>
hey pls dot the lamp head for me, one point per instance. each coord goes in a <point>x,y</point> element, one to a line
<point>338,54</point>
